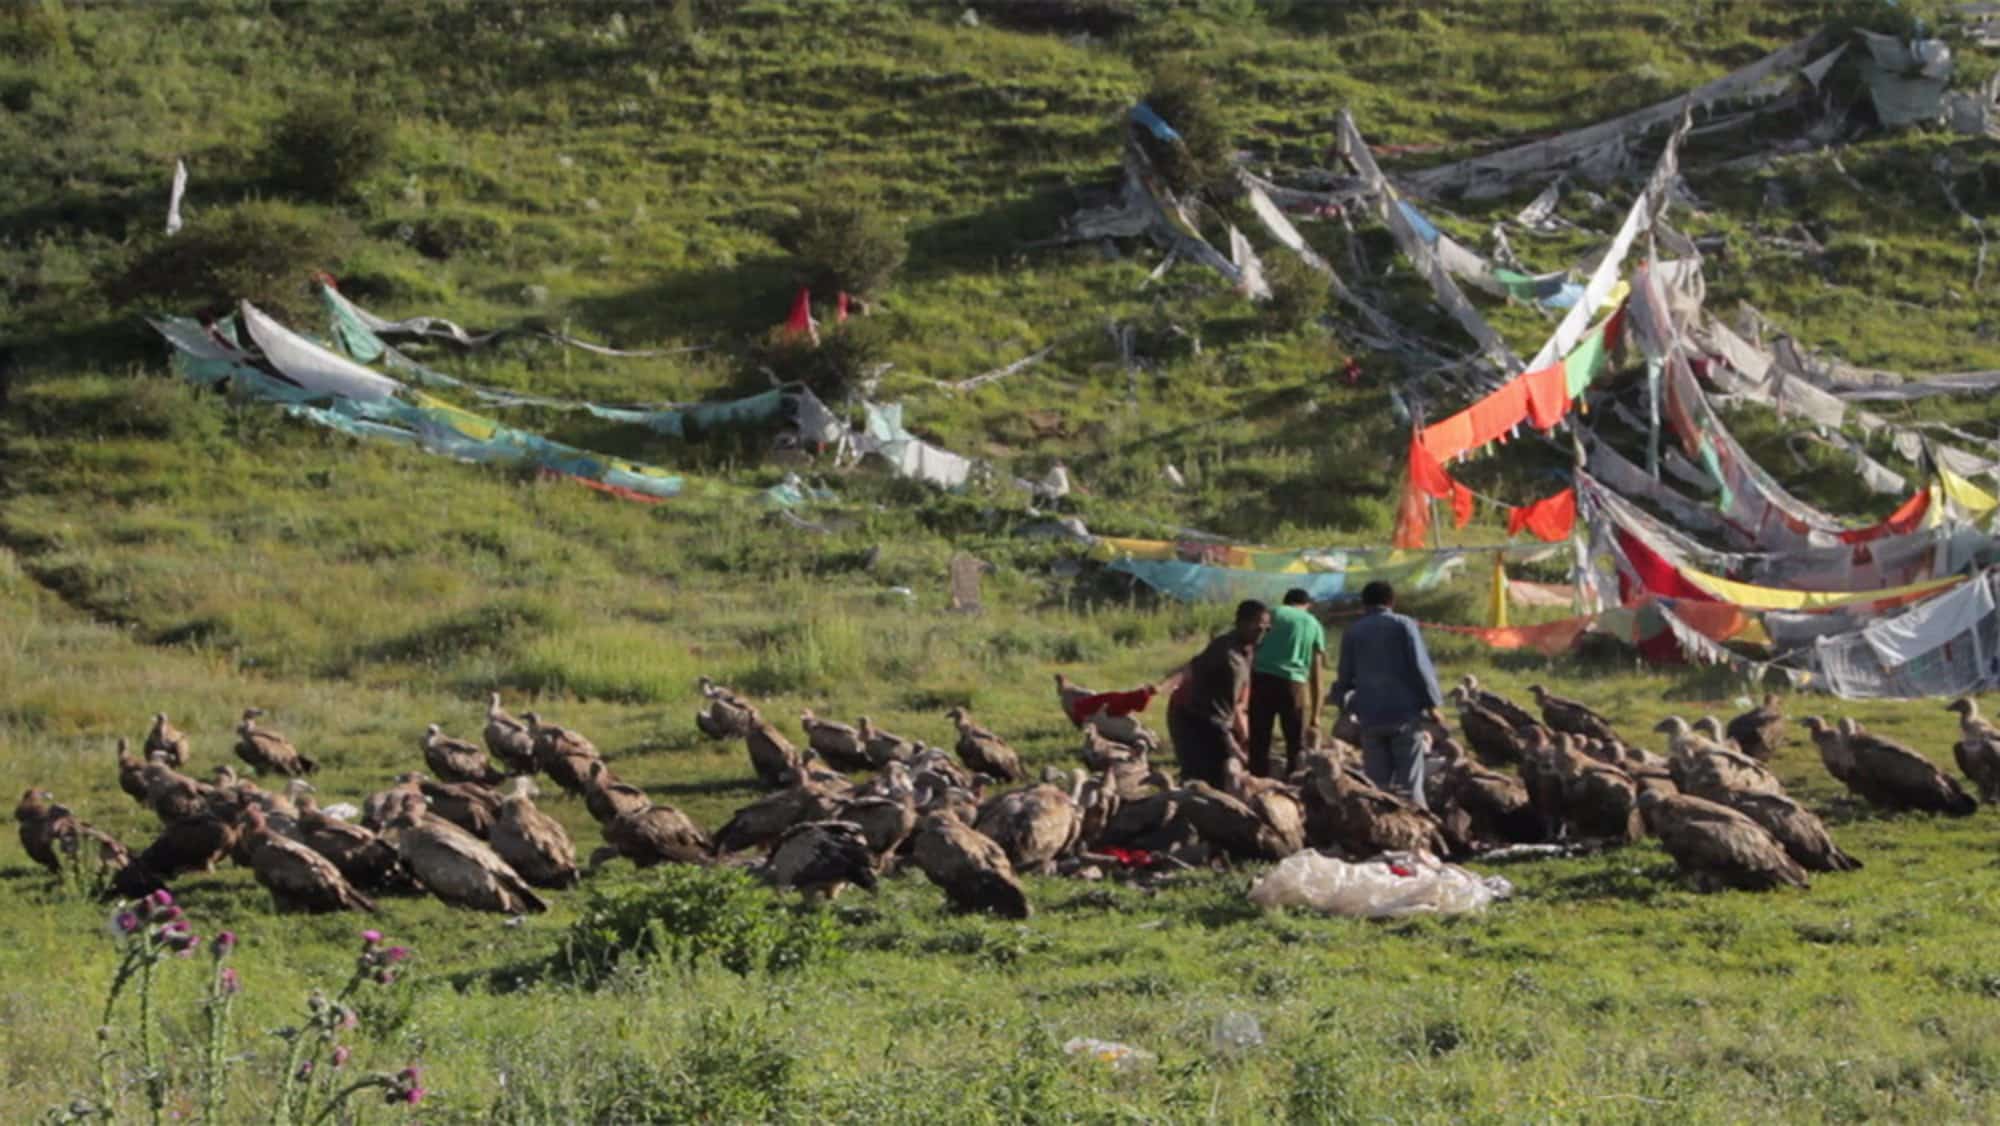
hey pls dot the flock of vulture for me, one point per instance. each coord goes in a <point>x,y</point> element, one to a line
<point>469,832</point>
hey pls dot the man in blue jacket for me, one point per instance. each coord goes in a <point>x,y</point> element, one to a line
<point>1391,690</point>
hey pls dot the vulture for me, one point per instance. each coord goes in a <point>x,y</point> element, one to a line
<point>935,770</point>
<point>1483,808</point>
<point>839,745</point>
<point>765,820</point>
<point>268,752</point>
<point>983,751</point>
<point>298,878</point>
<point>47,827</point>
<point>562,754</point>
<point>894,781</point>
<point>1345,811</point>
<point>1888,775</point>
<point>1797,830</point>
<point>165,739</point>
<point>1710,728</point>
<point>820,858</point>
<point>369,862</point>
<point>1761,730</point>
<point>1600,801</point>
<point>1125,769</point>
<point>172,795</point>
<point>470,807</point>
<point>280,809</point>
<point>1278,805</point>
<point>881,746</point>
<point>191,844</point>
<point>1708,769</point>
<point>654,835</point>
<point>132,771</point>
<point>1496,741</point>
<point>458,867</point>
<point>606,797</point>
<point>1514,714</point>
<point>381,807</point>
<point>724,713</point>
<point>455,760</point>
<point>969,866</point>
<point>1568,716</point>
<point>1977,749</point>
<point>1152,821</point>
<point>510,740</point>
<point>772,755</point>
<point>531,842</point>
<point>1716,847</point>
<point>1035,825</point>
<point>886,821</point>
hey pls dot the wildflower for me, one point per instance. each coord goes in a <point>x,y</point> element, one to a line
<point>224,943</point>
<point>126,922</point>
<point>349,1019</point>
<point>408,1088</point>
<point>395,954</point>
<point>161,898</point>
<point>230,982</point>
<point>340,1055</point>
<point>372,937</point>
<point>305,1070</point>
<point>385,977</point>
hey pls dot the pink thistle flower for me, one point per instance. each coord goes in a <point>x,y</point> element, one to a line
<point>161,898</point>
<point>224,942</point>
<point>372,937</point>
<point>126,922</point>
<point>230,983</point>
<point>340,1055</point>
<point>395,954</point>
<point>305,1069</point>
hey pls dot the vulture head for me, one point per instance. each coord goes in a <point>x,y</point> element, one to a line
<point>524,787</point>
<point>409,814</point>
<point>297,788</point>
<point>1965,706</point>
<point>1710,726</point>
<point>225,775</point>
<point>493,701</point>
<point>1673,727</point>
<point>34,803</point>
<point>411,778</point>
<point>1469,682</point>
<point>1816,726</point>
<point>432,731</point>
<point>532,719</point>
<point>1460,694</point>
<point>1538,692</point>
<point>159,719</point>
<point>806,715</point>
<point>1771,701</point>
<point>958,716</point>
<point>1849,727</point>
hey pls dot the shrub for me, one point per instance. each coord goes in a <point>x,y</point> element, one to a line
<point>324,145</point>
<point>1300,295</point>
<point>1185,99</point>
<point>691,916</point>
<point>1092,17</point>
<point>845,356</point>
<point>841,242</point>
<point>262,252</point>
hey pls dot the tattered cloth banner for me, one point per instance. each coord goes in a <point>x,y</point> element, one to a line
<point>1539,398</point>
<point>1601,148</point>
<point>1550,291</point>
<point>437,328</point>
<point>1550,519</point>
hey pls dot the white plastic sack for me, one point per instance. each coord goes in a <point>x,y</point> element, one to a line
<point>1390,886</point>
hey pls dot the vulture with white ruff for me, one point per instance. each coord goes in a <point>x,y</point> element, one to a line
<point>511,740</point>
<point>298,878</point>
<point>531,842</point>
<point>983,751</point>
<point>969,866</point>
<point>1977,750</point>
<point>268,752</point>
<point>165,739</point>
<point>1716,847</point>
<point>455,760</point>
<point>457,867</point>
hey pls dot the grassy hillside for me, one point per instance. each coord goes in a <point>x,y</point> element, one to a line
<point>624,172</point>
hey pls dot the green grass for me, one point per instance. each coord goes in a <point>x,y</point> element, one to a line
<point>624,174</point>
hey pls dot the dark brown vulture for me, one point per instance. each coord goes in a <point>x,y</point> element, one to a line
<point>772,756</point>
<point>1717,847</point>
<point>298,878</point>
<point>369,862</point>
<point>723,712</point>
<point>1761,730</point>
<point>1034,824</point>
<point>1483,808</point>
<point>531,842</point>
<point>458,867</point>
<point>657,834</point>
<point>763,821</point>
<point>455,760</point>
<point>511,740</point>
<point>49,830</point>
<point>1570,717</point>
<point>606,797</point>
<point>1345,811</point>
<point>1977,750</point>
<point>1801,833</point>
<point>820,858</point>
<point>837,744</point>
<point>268,752</point>
<point>564,755</point>
<point>969,866</point>
<point>886,821</point>
<point>1893,777</point>
<point>883,747</point>
<point>132,771</point>
<point>1496,741</point>
<point>1516,716</point>
<point>1707,769</point>
<point>164,738</point>
<point>1599,801</point>
<point>472,808</point>
<point>984,752</point>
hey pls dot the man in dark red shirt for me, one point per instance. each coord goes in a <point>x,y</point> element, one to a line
<point>1205,715</point>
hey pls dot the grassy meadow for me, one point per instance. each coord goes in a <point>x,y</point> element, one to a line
<point>622,171</point>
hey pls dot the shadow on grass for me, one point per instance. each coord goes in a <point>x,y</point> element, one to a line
<point>732,302</point>
<point>1633,885</point>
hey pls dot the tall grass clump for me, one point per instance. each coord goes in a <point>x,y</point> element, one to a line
<point>1300,296</point>
<point>325,144</point>
<point>690,917</point>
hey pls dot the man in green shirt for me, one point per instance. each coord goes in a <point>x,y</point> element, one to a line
<point>1285,683</point>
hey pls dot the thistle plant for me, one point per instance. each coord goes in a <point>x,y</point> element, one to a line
<point>308,1093</point>
<point>149,930</point>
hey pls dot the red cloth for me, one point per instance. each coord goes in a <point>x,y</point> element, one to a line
<point>840,308</point>
<point>1425,478</point>
<point>1461,505</point>
<point>800,322</point>
<point>1548,396</point>
<point>1904,520</point>
<point>1413,518</point>
<point>1654,574</point>
<point>1550,518</point>
<point>1426,473</point>
<point>1082,708</point>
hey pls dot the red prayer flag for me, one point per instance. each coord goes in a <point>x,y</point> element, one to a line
<point>800,322</point>
<point>840,308</point>
<point>1904,520</point>
<point>1413,518</point>
<point>1550,518</point>
<point>1461,505</point>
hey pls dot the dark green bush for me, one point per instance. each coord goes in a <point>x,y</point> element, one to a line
<point>325,144</point>
<point>844,243</point>
<point>263,252</point>
<point>447,234</point>
<point>732,1069</point>
<point>688,916</point>
<point>1300,295</point>
<point>1185,98</point>
<point>844,356</point>
<point>1092,17</point>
